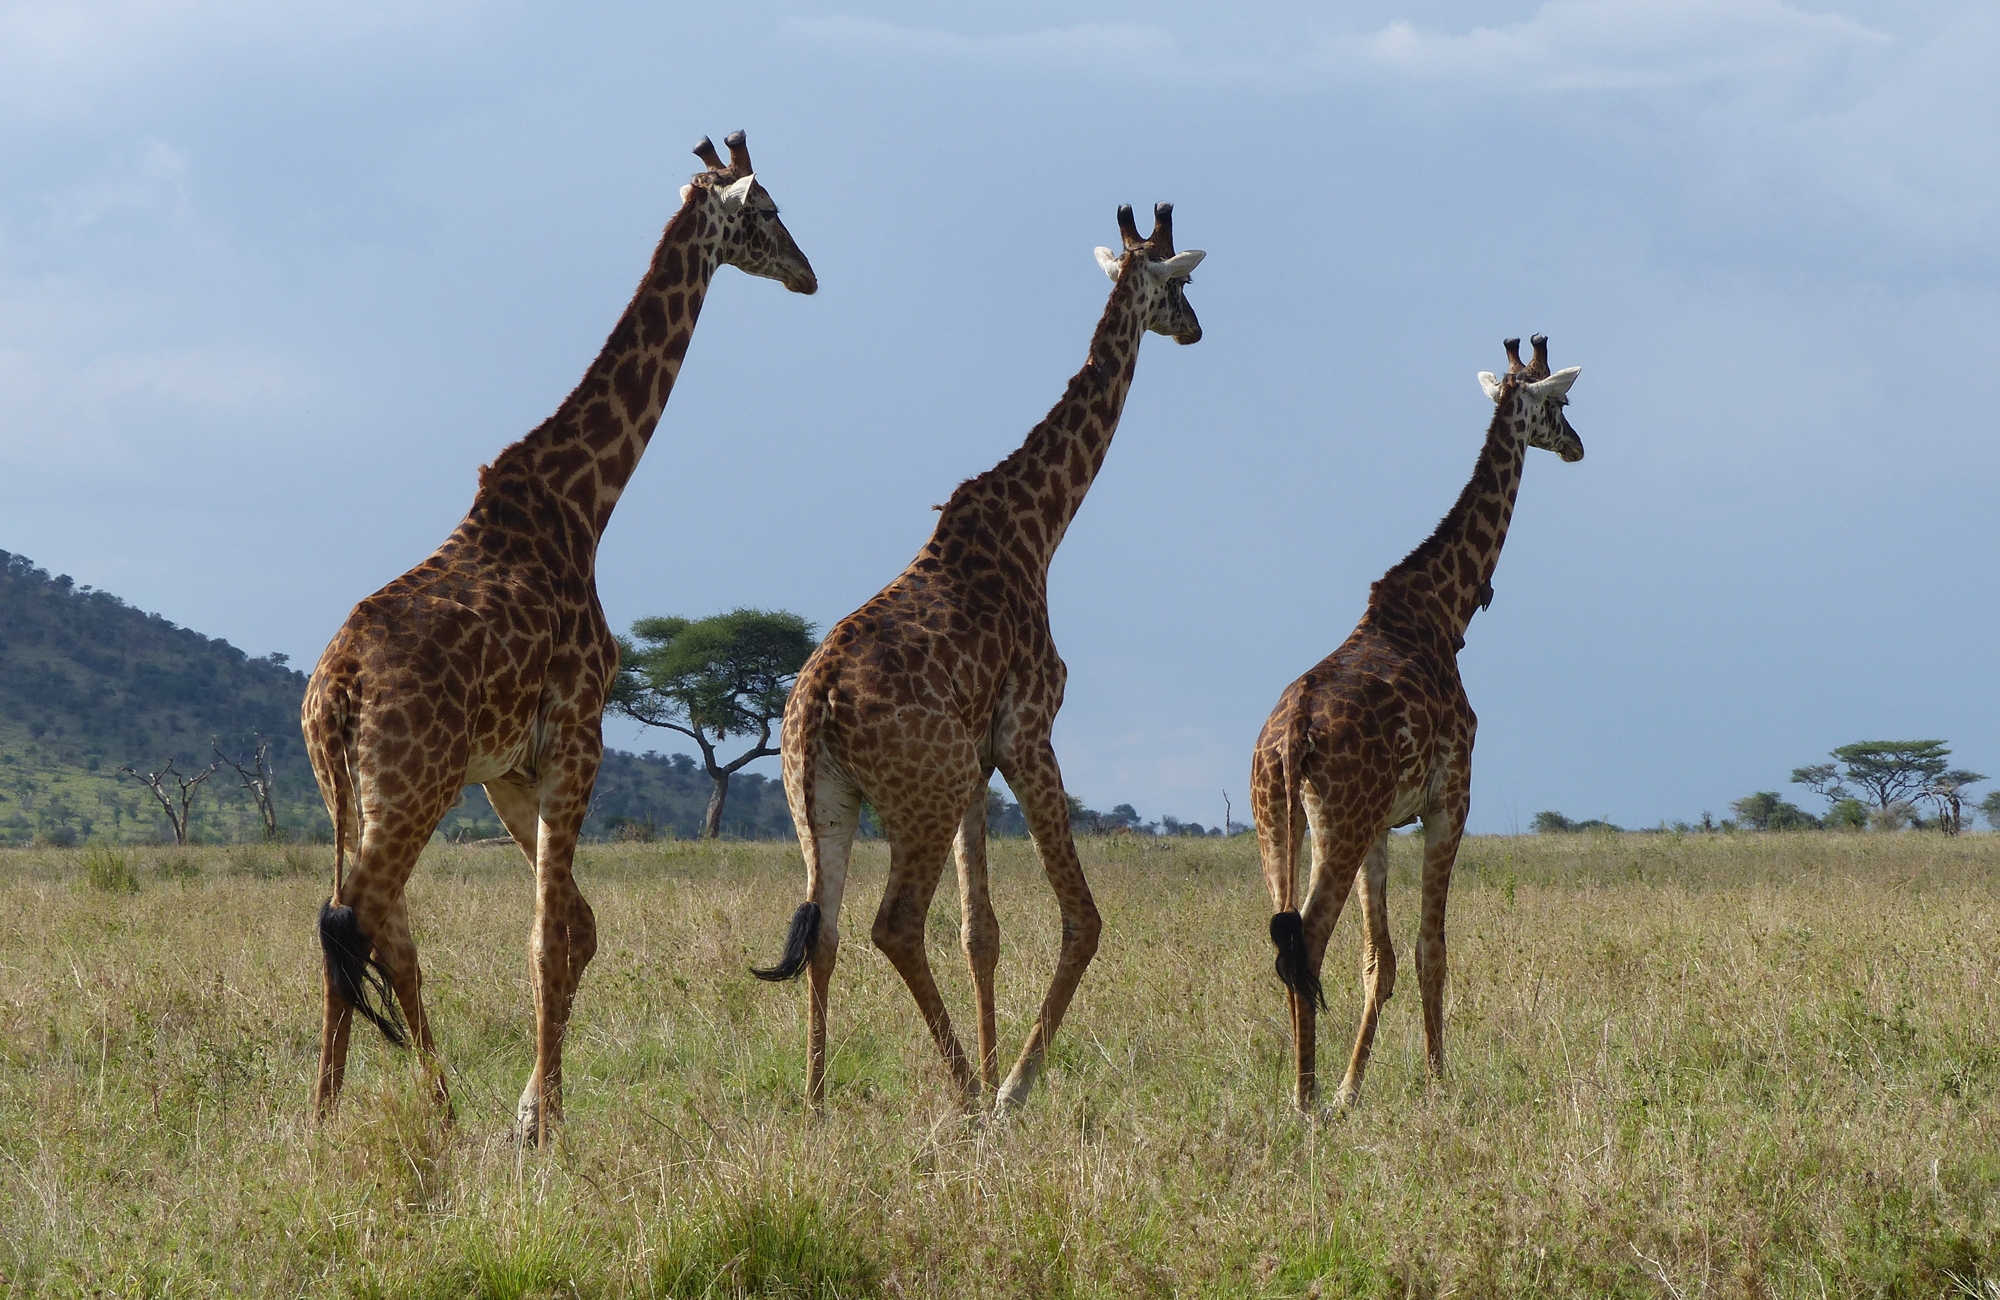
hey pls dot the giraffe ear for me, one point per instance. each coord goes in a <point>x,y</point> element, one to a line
<point>685,191</point>
<point>1180,265</point>
<point>1109,261</point>
<point>732,196</point>
<point>1556,385</point>
<point>1489,384</point>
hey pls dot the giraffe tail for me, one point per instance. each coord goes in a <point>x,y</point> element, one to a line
<point>1288,928</point>
<point>802,733</point>
<point>351,964</point>
<point>355,970</point>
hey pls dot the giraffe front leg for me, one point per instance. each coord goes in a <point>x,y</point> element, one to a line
<point>1037,783</point>
<point>979,929</point>
<point>565,933</point>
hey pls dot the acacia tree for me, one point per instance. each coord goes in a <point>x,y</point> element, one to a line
<point>1892,775</point>
<point>1947,792</point>
<point>177,816</point>
<point>1766,810</point>
<point>256,779</point>
<point>710,679</point>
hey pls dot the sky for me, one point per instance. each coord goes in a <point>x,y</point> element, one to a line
<point>276,278</point>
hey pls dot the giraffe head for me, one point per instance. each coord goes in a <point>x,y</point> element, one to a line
<point>749,235</point>
<point>1162,274</point>
<point>1538,398</point>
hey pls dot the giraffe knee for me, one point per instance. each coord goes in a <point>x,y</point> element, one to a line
<point>583,935</point>
<point>897,941</point>
<point>980,936</point>
<point>1080,932</point>
<point>1380,968</point>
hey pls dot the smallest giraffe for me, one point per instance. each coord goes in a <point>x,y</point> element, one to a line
<point>1379,734</point>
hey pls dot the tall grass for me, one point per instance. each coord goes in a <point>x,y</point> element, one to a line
<point>1681,1066</point>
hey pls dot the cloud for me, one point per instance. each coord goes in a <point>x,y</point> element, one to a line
<point>71,59</point>
<point>1567,45</point>
<point>154,189</point>
<point>1593,45</point>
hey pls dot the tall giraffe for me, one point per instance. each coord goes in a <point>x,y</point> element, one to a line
<point>1379,734</point>
<point>489,663</point>
<point>950,672</point>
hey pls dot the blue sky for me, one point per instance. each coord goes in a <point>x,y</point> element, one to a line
<point>275,278</point>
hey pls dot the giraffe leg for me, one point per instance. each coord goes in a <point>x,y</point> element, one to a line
<point>1378,965</point>
<point>916,860</point>
<point>406,977</point>
<point>837,813</point>
<point>373,890</point>
<point>519,810</point>
<point>337,1020</point>
<point>1037,783</point>
<point>979,929</point>
<point>1334,861</point>
<point>1442,831</point>
<point>565,931</point>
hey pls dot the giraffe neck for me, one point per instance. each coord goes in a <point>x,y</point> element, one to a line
<point>585,453</point>
<point>1024,504</point>
<point>1444,581</point>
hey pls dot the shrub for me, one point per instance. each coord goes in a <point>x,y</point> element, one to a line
<point>109,871</point>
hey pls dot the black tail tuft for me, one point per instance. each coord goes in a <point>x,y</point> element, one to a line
<point>1288,935</point>
<point>799,945</point>
<point>357,972</point>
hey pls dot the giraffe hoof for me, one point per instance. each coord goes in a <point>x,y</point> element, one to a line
<point>528,1122</point>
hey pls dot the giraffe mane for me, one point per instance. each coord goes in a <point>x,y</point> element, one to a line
<point>1427,550</point>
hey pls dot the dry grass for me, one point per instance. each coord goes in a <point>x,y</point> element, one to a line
<point>1749,1065</point>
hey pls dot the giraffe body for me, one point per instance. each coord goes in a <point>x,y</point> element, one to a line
<point>491,661</point>
<point>1379,734</point>
<point>951,673</point>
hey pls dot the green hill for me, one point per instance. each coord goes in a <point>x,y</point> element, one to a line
<point>89,685</point>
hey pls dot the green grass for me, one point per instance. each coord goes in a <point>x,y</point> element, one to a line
<point>1729,1065</point>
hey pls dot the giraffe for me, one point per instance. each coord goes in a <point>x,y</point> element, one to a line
<point>912,701</point>
<point>1379,734</point>
<point>489,663</point>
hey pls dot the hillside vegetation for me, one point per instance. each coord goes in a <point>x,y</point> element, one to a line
<point>1681,1065</point>
<point>89,685</point>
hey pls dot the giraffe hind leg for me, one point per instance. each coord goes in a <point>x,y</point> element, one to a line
<point>1378,965</point>
<point>899,931</point>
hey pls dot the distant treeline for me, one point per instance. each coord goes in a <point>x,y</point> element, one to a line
<point>90,685</point>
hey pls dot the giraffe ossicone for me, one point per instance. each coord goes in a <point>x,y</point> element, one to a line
<point>949,674</point>
<point>1380,733</point>
<point>490,662</point>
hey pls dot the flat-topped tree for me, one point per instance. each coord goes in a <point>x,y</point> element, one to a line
<point>950,672</point>
<point>490,662</point>
<point>1379,734</point>
<point>710,679</point>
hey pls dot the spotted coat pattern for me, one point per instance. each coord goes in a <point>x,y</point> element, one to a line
<point>1379,734</point>
<point>490,662</point>
<point>949,673</point>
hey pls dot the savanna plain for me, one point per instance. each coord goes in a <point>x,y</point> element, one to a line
<point>1699,1065</point>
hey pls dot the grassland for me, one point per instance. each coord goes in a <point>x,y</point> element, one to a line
<point>1753,1065</point>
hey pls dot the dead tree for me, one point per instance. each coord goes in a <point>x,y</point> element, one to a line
<point>257,779</point>
<point>177,816</point>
